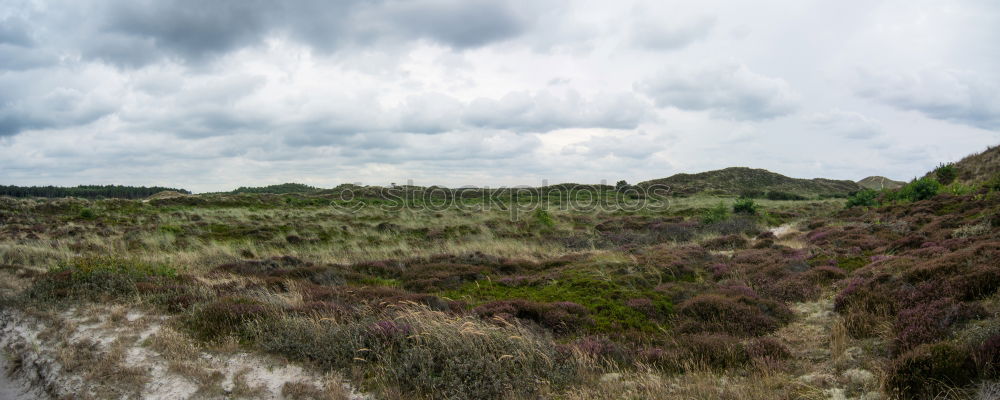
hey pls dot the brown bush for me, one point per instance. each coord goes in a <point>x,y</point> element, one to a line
<point>930,370</point>
<point>740,316</point>
<point>560,317</point>
<point>729,242</point>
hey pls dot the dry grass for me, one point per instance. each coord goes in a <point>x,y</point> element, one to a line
<point>104,369</point>
<point>646,383</point>
<point>302,390</point>
<point>243,389</point>
<point>838,340</point>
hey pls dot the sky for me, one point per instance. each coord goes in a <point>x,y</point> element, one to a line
<point>213,95</point>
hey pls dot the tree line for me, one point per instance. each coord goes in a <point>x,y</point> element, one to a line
<point>85,191</point>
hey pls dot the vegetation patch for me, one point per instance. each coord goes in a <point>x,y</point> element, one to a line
<point>606,301</point>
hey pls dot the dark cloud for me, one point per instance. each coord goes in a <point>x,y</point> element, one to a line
<point>192,29</point>
<point>16,58</point>
<point>727,91</point>
<point>15,31</point>
<point>950,95</point>
<point>457,23</point>
<point>40,100</point>
<point>136,33</point>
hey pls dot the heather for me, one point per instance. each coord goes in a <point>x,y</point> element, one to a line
<point>890,293</point>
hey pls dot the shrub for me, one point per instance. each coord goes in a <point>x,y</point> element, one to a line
<point>946,173</point>
<point>929,322</point>
<point>776,195</point>
<point>993,183</point>
<point>715,214</point>
<point>987,357</point>
<point>86,213</point>
<point>543,218</point>
<point>622,186</point>
<point>921,189</point>
<point>443,276</point>
<point>560,317</point>
<point>741,316</point>
<point>964,231</point>
<point>768,350</point>
<point>226,316</point>
<point>92,277</point>
<point>714,350</point>
<point>427,354</point>
<point>729,242</point>
<point>605,299</point>
<point>745,205</point>
<point>663,232</point>
<point>824,274</point>
<point>862,198</point>
<point>929,370</point>
<point>599,348</point>
<point>735,226</point>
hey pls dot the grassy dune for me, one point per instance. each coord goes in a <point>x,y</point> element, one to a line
<point>686,301</point>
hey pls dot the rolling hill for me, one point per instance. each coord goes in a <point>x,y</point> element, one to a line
<point>977,167</point>
<point>879,183</point>
<point>741,180</point>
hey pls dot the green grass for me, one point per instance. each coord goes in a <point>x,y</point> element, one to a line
<point>605,299</point>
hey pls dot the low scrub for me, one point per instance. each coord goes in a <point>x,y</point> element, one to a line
<point>738,316</point>
<point>98,277</point>
<point>560,317</point>
<point>229,316</point>
<point>930,371</point>
<point>427,354</point>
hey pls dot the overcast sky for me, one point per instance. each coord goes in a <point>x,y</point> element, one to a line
<point>212,95</point>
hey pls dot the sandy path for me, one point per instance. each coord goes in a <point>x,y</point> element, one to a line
<point>821,353</point>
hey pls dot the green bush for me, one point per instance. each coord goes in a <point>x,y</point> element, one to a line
<point>745,205</point>
<point>946,173</point>
<point>86,213</point>
<point>606,300</point>
<point>957,188</point>
<point>863,198</point>
<point>993,184</point>
<point>715,214</point>
<point>543,218</point>
<point>921,189</point>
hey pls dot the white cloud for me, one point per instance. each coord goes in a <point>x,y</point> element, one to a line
<point>725,91</point>
<point>952,95</point>
<point>656,34</point>
<point>851,125</point>
<point>215,95</point>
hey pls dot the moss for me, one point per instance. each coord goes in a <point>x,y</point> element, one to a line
<point>174,229</point>
<point>850,264</point>
<point>377,281</point>
<point>606,300</point>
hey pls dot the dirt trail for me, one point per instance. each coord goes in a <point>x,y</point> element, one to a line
<point>822,353</point>
<point>821,350</point>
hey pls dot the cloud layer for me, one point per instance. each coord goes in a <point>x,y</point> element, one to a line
<point>219,94</point>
